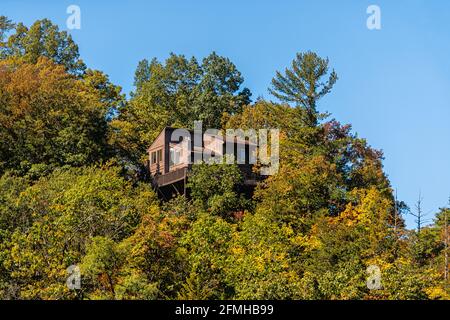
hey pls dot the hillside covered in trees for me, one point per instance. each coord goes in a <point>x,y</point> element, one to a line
<point>74,189</point>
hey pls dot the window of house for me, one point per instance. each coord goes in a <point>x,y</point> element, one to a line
<point>241,156</point>
<point>175,156</point>
<point>159,156</point>
<point>156,156</point>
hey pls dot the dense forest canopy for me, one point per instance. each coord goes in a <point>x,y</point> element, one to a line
<point>74,191</point>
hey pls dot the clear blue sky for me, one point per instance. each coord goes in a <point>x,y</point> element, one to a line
<point>394,85</point>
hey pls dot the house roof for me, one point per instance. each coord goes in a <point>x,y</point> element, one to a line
<point>226,139</point>
<point>157,137</point>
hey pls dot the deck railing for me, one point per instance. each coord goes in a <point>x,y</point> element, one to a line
<point>250,177</point>
<point>171,177</point>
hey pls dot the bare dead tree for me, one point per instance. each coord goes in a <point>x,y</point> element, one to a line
<point>446,243</point>
<point>395,213</point>
<point>419,215</point>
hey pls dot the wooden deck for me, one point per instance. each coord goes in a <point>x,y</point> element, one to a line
<point>171,177</point>
<point>161,180</point>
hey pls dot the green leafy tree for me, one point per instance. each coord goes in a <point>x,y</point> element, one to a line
<point>42,39</point>
<point>142,74</point>
<point>205,246</point>
<point>303,83</point>
<point>259,263</point>
<point>50,119</point>
<point>59,215</point>
<point>217,188</point>
<point>5,26</point>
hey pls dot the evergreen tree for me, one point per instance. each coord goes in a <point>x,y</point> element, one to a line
<point>304,83</point>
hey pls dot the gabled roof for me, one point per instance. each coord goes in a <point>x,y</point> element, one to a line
<point>157,137</point>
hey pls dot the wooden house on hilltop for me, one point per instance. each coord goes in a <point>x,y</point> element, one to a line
<point>173,153</point>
